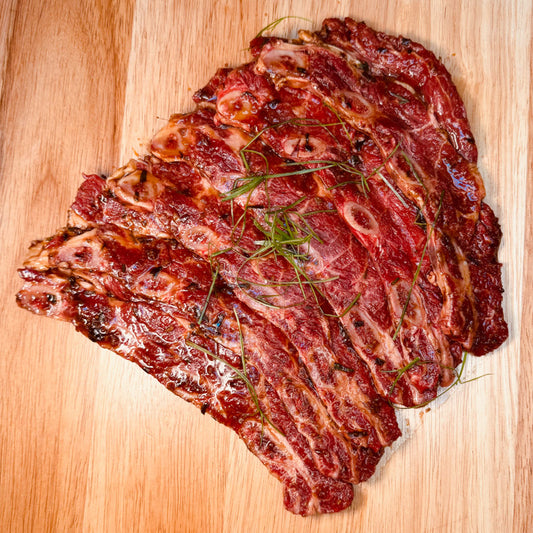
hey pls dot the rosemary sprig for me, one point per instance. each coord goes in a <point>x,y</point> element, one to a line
<point>364,179</point>
<point>210,292</point>
<point>285,284</point>
<point>401,371</point>
<point>251,182</point>
<point>287,207</point>
<point>263,299</point>
<point>276,22</point>
<point>316,212</point>
<point>248,183</point>
<point>284,237</point>
<point>221,252</point>
<point>289,211</point>
<point>458,381</point>
<point>241,340</point>
<point>246,164</point>
<point>414,172</point>
<point>417,271</point>
<point>285,230</point>
<point>343,123</point>
<point>348,308</point>
<point>385,161</point>
<point>396,193</point>
<point>304,122</point>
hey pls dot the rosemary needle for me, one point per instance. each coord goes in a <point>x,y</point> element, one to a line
<point>211,288</point>
<point>276,22</point>
<point>417,272</point>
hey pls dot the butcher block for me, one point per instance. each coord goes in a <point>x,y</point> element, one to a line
<point>91,443</point>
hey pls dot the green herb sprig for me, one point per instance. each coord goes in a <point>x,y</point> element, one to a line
<point>417,271</point>
<point>210,292</point>
<point>284,237</point>
<point>458,380</point>
<point>347,309</point>
<point>277,22</point>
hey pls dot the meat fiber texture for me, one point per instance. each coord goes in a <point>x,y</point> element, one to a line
<point>307,250</point>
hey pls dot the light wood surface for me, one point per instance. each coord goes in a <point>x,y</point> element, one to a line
<point>89,442</point>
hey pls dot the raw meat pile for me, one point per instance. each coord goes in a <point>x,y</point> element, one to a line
<point>304,251</point>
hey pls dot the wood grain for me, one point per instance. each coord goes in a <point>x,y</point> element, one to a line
<point>88,442</point>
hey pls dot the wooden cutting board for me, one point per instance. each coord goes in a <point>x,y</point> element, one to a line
<point>88,442</point>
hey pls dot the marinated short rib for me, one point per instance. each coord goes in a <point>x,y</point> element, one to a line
<point>356,293</point>
<point>410,63</point>
<point>144,333</point>
<point>486,278</point>
<point>160,270</point>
